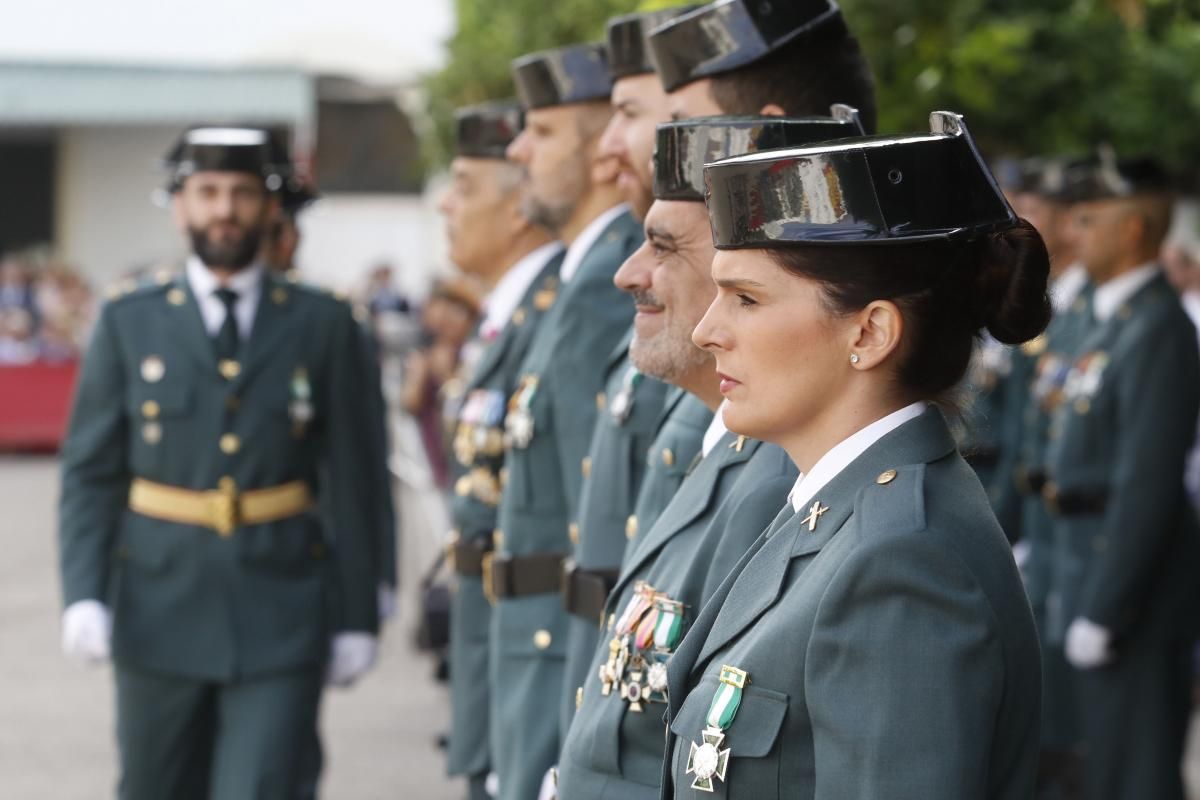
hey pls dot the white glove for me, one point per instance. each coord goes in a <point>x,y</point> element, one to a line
<point>352,655</point>
<point>1088,645</point>
<point>549,790</point>
<point>386,593</point>
<point>87,631</point>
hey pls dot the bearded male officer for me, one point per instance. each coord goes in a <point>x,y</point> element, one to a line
<point>552,413</point>
<point>213,413</point>
<point>492,239</point>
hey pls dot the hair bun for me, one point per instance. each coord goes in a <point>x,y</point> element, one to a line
<point>1010,285</point>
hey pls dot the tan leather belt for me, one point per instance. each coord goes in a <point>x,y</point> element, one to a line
<point>222,509</point>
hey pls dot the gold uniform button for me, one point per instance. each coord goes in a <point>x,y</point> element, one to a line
<point>229,369</point>
<point>462,487</point>
<point>152,432</point>
<point>601,401</point>
<point>279,295</point>
<point>498,539</point>
<point>886,477</point>
<point>585,467</point>
<point>631,526</point>
<point>542,639</point>
<point>668,457</point>
<point>176,297</point>
<point>1083,405</point>
<point>230,444</point>
<point>518,317</point>
<point>150,409</point>
<point>573,532</point>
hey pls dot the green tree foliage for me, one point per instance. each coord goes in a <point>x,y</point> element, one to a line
<point>1032,76</point>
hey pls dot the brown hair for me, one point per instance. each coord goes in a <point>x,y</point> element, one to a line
<point>947,292</point>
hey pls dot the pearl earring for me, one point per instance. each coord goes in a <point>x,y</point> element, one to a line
<point>854,358</point>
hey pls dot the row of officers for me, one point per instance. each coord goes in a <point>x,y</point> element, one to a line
<point>725,522</point>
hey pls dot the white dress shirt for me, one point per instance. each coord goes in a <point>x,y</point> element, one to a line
<point>844,452</point>
<point>1113,294</point>
<point>716,429</point>
<point>1067,286</point>
<point>584,241</point>
<point>248,285</point>
<point>506,295</point>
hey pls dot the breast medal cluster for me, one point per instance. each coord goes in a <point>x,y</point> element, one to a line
<point>707,760</point>
<point>518,424</point>
<point>644,637</point>
<point>479,431</point>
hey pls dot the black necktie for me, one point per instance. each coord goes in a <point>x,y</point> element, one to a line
<point>226,341</point>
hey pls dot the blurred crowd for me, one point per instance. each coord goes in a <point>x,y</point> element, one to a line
<point>46,311</point>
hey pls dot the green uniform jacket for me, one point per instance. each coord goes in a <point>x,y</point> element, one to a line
<point>628,414</point>
<point>151,403</point>
<point>611,750</point>
<point>480,429</point>
<point>541,498</point>
<point>890,649</point>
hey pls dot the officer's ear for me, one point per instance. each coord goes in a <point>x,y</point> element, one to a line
<point>876,334</point>
<point>772,110</point>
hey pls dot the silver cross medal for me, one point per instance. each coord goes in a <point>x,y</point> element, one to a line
<point>707,760</point>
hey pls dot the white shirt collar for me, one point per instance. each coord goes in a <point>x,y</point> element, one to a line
<point>1114,293</point>
<point>584,241</point>
<point>846,451</point>
<point>1067,286</point>
<point>248,285</point>
<point>716,429</point>
<point>506,295</point>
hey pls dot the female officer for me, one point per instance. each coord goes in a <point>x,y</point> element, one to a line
<point>875,642</point>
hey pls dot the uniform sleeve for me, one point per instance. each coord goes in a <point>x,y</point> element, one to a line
<point>1158,399</point>
<point>349,494</point>
<point>904,677</point>
<point>384,504</point>
<point>95,469</point>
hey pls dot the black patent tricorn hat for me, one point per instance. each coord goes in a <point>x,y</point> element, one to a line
<point>1107,177</point>
<point>628,53</point>
<point>228,149</point>
<point>730,34</point>
<point>486,130</point>
<point>868,190</point>
<point>577,73</point>
<point>683,148</point>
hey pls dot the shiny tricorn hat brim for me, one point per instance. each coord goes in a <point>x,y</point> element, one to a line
<point>575,74</point>
<point>730,34</point>
<point>683,148</point>
<point>487,129</point>
<point>864,191</point>
<point>628,54</point>
<point>219,149</point>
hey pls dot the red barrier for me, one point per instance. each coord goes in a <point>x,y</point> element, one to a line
<point>35,401</point>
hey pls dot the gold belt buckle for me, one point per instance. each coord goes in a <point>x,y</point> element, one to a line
<point>223,508</point>
<point>489,588</point>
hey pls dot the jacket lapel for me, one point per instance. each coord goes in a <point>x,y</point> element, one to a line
<point>185,325</point>
<point>760,584</point>
<point>274,303</point>
<point>693,498</point>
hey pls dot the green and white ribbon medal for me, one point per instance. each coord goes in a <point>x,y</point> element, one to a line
<point>707,761</point>
<point>518,425</point>
<point>622,403</point>
<point>669,626</point>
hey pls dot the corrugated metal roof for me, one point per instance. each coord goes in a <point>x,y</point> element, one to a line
<point>89,94</point>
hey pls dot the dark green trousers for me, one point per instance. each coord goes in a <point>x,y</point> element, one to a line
<point>195,740</point>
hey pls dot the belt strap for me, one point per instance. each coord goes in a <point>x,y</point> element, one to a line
<point>1074,503</point>
<point>518,576</point>
<point>467,555</point>
<point>1030,481</point>
<point>585,591</point>
<point>223,509</point>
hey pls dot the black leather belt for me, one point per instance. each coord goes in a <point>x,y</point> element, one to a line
<point>467,555</point>
<point>585,591</point>
<point>1029,481</point>
<point>518,576</point>
<point>1075,503</point>
<point>983,458</point>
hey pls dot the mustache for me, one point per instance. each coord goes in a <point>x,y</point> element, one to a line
<point>643,297</point>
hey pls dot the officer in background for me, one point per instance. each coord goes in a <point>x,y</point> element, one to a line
<point>212,415</point>
<point>733,487</point>
<point>1046,197</point>
<point>552,413</point>
<point>491,239</point>
<point>743,57</point>
<point>630,408</point>
<point>1122,589</point>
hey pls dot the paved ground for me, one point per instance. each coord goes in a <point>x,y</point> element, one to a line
<point>56,717</point>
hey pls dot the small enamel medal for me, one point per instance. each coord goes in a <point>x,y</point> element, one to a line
<point>622,403</point>
<point>708,761</point>
<point>518,425</point>
<point>300,409</point>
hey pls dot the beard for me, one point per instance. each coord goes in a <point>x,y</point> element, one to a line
<point>571,184</point>
<point>669,355</point>
<point>235,254</point>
